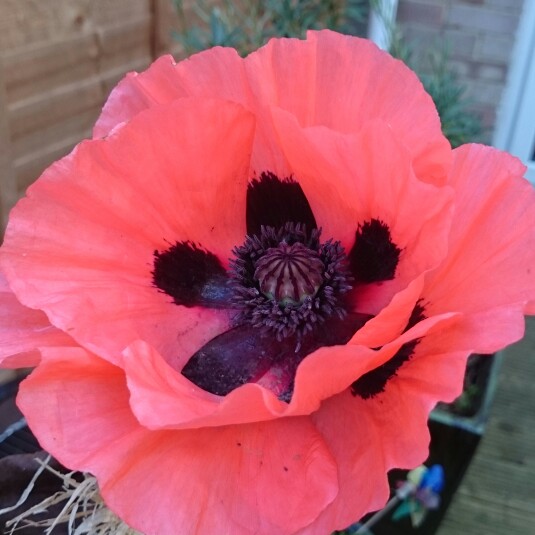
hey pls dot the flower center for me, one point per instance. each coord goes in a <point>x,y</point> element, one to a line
<point>287,282</point>
<point>288,274</point>
<point>290,293</point>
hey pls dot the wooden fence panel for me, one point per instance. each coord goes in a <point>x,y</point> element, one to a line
<point>61,58</point>
<point>7,179</point>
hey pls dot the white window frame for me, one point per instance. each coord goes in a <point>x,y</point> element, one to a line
<point>515,128</point>
<point>381,22</point>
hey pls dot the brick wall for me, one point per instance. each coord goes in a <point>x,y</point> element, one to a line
<point>479,36</point>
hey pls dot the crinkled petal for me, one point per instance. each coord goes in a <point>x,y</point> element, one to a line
<point>369,176</point>
<point>174,173</point>
<point>328,371</point>
<point>392,320</point>
<point>390,430</point>
<point>329,79</point>
<point>342,82</point>
<point>23,330</point>
<point>435,372</point>
<point>217,73</point>
<point>489,272</point>
<point>356,442</point>
<point>267,478</point>
<point>161,398</point>
<point>487,331</point>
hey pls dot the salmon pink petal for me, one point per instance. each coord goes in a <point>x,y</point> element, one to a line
<point>161,397</point>
<point>430,376</point>
<point>356,443</point>
<point>115,202</point>
<point>392,320</point>
<point>488,274</point>
<point>487,331</point>
<point>23,330</point>
<point>337,81</point>
<point>370,181</point>
<point>433,373</point>
<point>384,432</point>
<point>264,478</point>
<point>217,73</point>
<point>261,478</point>
<point>343,82</point>
<point>331,370</point>
<point>400,413</point>
<point>137,92</point>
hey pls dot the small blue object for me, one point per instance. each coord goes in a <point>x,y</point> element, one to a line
<point>433,479</point>
<point>420,494</point>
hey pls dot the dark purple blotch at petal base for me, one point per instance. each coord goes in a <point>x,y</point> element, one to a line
<point>244,354</point>
<point>191,276</point>
<point>374,256</point>
<point>236,357</point>
<point>274,202</point>
<point>374,382</point>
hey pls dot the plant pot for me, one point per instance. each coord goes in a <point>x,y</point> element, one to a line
<point>470,411</point>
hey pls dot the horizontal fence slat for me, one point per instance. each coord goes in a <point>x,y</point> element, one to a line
<point>37,68</point>
<point>32,21</point>
<point>73,126</point>
<point>41,141</point>
<point>61,60</point>
<point>29,64</point>
<point>28,168</point>
<point>50,107</point>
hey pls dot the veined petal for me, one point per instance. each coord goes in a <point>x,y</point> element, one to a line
<point>331,370</point>
<point>173,174</point>
<point>23,330</point>
<point>386,431</point>
<point>356,445</point>
<point>329,79</point>
<point>392,320</point>
<point>217,73</point>
<point>162,398</point>
<point>164,482</point>
<point>342,82</point>
<point>489,273</point>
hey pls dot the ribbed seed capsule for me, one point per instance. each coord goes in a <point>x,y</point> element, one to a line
<point>288,274</point>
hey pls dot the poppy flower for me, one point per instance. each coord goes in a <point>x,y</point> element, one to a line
<point>262,319</point>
